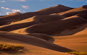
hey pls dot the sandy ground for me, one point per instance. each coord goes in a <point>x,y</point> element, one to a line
<point>30,49</point>
<point>77,41</point>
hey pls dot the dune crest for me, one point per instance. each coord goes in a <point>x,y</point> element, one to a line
<point>75,11</point>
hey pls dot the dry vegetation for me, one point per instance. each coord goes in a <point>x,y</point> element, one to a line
<point>10,48</point>
<point>78,53</point>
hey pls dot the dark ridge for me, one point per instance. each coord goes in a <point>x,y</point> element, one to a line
<point>85,6</point>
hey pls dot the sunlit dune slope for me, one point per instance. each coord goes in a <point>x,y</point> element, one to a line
<point>34,41</point>
<point>29,49</point>
<point>77,41</point>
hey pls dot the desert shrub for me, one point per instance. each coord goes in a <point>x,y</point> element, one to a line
<point>78,53</point>
<point>7,47</point>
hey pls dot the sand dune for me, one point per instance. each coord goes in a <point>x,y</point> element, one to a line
<point>42,36</point>
<point>31,21</point>
<point>58,8</point>
<point>54,9</point>
<point>31,49</point>
<point>69,31</point>
<point>7,21</point>
<point>50,31</point>
<point>57,26</point>
<point>75,11</point>
<point>16,26</point>
<point>83,32</point>
<point>69,23</point>
<point>72,30</point>
<point>83,15</point>
<point>47,18</point>
<point>76,42</point>
<point>34,41</point>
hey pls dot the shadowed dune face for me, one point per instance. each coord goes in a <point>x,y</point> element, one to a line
<point>47,18</point>
<point>16,26</point>
<point>34,41</point>
<point>75,11</point>
<point>83,32</point>
<point>83,15</point>
<point>15,18</point>
<point>57,26</point>
<point>58,8</point>
<point>7,21</point>
<point>72,30</point>
<point>42,36</point>
<point>35,20</point>
<point>4,22</point>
